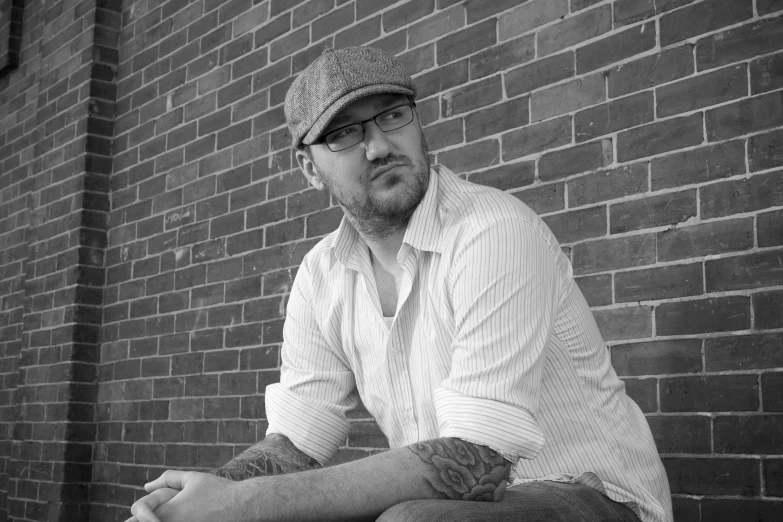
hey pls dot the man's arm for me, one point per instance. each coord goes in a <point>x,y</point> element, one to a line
<point>445,468</point>
<point>275,455</point>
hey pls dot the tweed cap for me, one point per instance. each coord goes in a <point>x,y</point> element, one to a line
<point>336,79</point>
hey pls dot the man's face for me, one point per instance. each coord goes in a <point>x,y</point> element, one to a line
<point>379,181</point>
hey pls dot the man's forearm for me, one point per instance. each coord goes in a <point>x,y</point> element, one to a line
<point>445,468</point>
<point>275,455</point>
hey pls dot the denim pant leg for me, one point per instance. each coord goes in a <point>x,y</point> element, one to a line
<point>532,502</point>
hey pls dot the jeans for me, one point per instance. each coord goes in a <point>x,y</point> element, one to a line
<point>531,502</point>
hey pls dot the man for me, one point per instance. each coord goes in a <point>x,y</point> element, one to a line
<point>450,309</point>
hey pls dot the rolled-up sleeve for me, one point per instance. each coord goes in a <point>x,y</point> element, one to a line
<point>504,287</point>
<point>316,385</point>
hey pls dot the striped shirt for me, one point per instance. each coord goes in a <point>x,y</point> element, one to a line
<point>492,342</point>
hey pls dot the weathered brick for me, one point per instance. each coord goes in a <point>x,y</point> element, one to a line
<point>748,433</point>
<point>659,283</point>
<point>575,160</point>
<point>681,434</point>
<point>607,184</point>
<point>540,73</point>
<point>657,357</point>
<point>467,41</point>
<point>365,8</point>
<point>441,79</point>
<point>406,13</point>
<point>727,510</point>
<point>359,34</point>
<point>615,253</point>
<point>644,392</point>
<point>331,23</point>
<point>768,310</point>
<point>597,290</point>
<point>309,11</point>
<point>717,314</point>
<point>659,137</point>
<point>418,60</point>
<point>770,228</point>
<point>441,23</point>
<point>480,9</point>
<point>740,43</point>
<point>710,393</point>
<point>578,225</point>
<point>698,165</point>
<point>653,211</point>
<point>502,57</point>
<point>567,97</point>
<point>766,74</point>
<point>703,17</point>
<point>473,96</point>
<point>614,116</point>
<point>705,239</point>
<point>536,138</point>
<point>506,177</point>
<point>530,15</point>
<point>671,64</point>
<point>289,44</point>
<point>574,30</point>
<point>630,322</point>
<point>445,134</point>
<point>744,195</point>
<point>614,48</point>
<point>544,198</point>
<point>471,157</point>
<point>713,476</point>
<point>765,151</point>
<point>757,270</point>
<point>504,116</point>
<point>630,11</point>
<point>702,91</point>
<point>772,395</point>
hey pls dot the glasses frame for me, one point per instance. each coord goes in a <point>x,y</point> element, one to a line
<point>322,138</point>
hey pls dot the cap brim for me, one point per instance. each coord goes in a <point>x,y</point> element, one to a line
<point>323,121</point>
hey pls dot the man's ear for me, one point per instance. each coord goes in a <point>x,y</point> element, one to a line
<point>309,169</point>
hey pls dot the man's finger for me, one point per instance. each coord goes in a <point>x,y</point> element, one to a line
<point>169,479</point>
<point>143,508</point>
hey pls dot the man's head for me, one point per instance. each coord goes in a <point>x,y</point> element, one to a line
<point>357,134</point>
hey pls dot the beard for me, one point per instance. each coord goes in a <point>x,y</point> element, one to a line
<point>378,214</point>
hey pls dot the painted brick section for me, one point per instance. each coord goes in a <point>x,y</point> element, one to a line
<point>149,244</point>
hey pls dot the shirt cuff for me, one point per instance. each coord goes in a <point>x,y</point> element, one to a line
<point>509,430</point>
<point>313,430</point>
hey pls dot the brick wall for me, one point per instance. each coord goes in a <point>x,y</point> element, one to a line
<point>647,134</point>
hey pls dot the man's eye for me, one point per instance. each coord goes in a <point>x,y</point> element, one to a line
<point>343,133</point>
<point>392,115</point>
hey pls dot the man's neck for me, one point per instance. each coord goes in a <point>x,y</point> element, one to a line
<point>385,250</point>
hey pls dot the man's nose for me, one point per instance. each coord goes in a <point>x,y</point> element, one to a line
<point>376,142</point>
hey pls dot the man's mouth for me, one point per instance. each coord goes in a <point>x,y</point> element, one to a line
<point>384,169</point>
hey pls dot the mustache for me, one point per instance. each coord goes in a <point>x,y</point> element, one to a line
<point>375,165</point>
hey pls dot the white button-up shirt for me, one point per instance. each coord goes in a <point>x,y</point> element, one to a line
<point>492,342</point>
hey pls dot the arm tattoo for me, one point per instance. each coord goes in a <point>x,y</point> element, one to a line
<point>462,470</point>
<point>275,455</point>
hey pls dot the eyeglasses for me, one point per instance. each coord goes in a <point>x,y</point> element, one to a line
<point>353,134</point>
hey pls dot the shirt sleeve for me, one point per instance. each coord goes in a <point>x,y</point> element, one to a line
<point>504,288</point>
<point>316,385</point>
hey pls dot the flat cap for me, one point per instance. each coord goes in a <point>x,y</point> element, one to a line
<point>336,79</point>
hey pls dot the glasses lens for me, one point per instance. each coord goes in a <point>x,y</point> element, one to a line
<point>394,118</point>
<point>345,137</point>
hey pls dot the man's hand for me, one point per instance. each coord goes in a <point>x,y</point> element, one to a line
<point>186,496</point>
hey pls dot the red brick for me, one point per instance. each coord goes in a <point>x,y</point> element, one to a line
<point>480,9</point>
<point>713,476</point>
<point>201,385</point>
<point>536,138</point>
<point>365,8</point>
<point>224,316</point>
<point>728,510</point>
<point>238,383</point>
<point>613,116</point>
<point>597,290</point>
<point>406,13</point>
<point>567,97</point>
<point>718,314</point>
<point>630,11</point>
<point>630,322</point>
<point>471,157</point>
<point>744,195</point>
<point>748,434</point>
<point>359,34</point>
<point>578,5</point>
<point>441,23</point>
<point>702,91</point>
<point>644,392</point>
<point>467,41</point>
<point>650,71</point>
<point>578,225</point>
<point>367,434</point>
<point>418,60</point>
<point>658,357</point>
<point>772,396</point>
<point>768,310</point>
<point>659,137</point>
<point>544,198</point>
<point>659,283</point>
<point>765,151</point>
<point>221,408</point>
<point>757,270</point>
<point>324,222</point>
<point>702,18</point>
<point>506,177</point>
<point>289,44</point>
<point>651,212</point>
<point>575,160</point>
<point>540,73</point>
<point>504,116</point>
<point>770,228</point>
<point>768,6</point>
<point>739,44</point>
<point>606,185</point>
<point>614,48</point>
<point>574,30</point>
<point>710,393</point>
<point>471,97</point>
<point>186,409</point>
<point>766,74</point>
<point>529,16</point>
<point>706,239</point>
<point>260,357</point>
<point>502,56</point>
<point>445,134</point>
<point>681,434</point>
<point>309,11</point>
<point>442,79</point>
<point>699,165</point>
<point>611,254</point>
